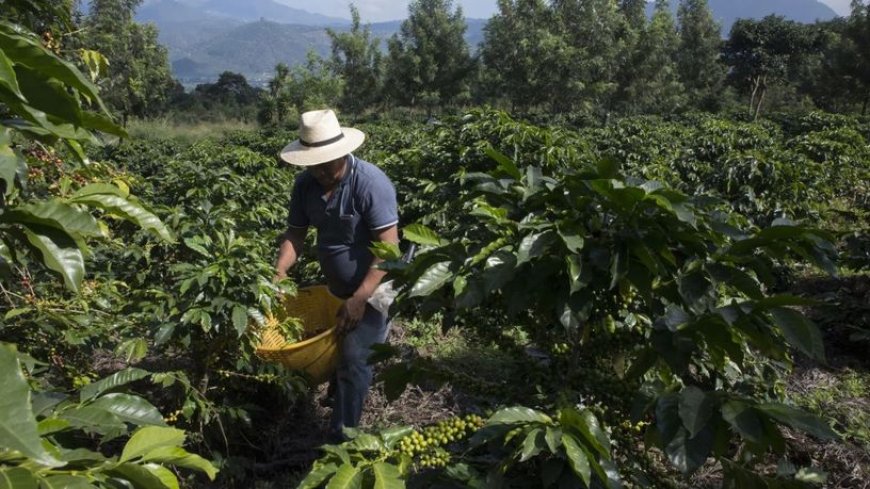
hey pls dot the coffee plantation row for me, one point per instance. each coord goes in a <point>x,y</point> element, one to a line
<point>647,258</point>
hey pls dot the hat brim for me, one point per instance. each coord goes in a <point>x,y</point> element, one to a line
<point>297,154</point>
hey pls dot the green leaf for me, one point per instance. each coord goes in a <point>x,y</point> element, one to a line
<point>129,210</point>
<point>181,458</point>
<point>520,415</point>
<point>532,445</point>
<point>744,420</point>
<point>695,409</point>
<point>8,80</point>
<point>94,420</point>
<point>432,279</point>
<point>9,163</point>
<point>346,477</point>
<point>799,332</point>
<point>66,481</point>
<point>574,242</point>
<point>799,420</point>
<point>240,319</point>
<point>387,476</point>
<point>386,251</point>
<point>587,425</point>
<point>420,234</point>
<point>132,350</point>
<point>577,458</point>
<point>553,438</point>
<point>689,453</point>
<point>17,477</point>
<point>499,270</point>
<point>319,473</point>
<point>533,245</point>
<point>56,214</point>
<point>49,96</point>
<point>18,428</point>
<point>117,379</point>
<point>28,52</point>
<point>131,409</point>
<point>195,245</point>
<point>59,253</point>
<point>150,476</point>
<point>100,188</point>
<point>505,164</point>
<point>149,438</point>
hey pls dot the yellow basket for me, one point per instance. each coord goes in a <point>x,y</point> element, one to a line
<point>316,307</point>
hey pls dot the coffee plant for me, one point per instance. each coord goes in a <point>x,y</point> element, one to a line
<point>49,438</point>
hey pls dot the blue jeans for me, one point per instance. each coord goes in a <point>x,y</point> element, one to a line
<point>353,377</point>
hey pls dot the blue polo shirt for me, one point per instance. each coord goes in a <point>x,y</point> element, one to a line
<point>363,201</point>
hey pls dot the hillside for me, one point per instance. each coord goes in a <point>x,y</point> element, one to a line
<point>254,49</point>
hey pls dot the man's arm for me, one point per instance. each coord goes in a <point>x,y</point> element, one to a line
<point>290,248</point>
<point>354,307</point>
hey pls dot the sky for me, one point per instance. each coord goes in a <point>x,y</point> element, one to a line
<point>381,10</point>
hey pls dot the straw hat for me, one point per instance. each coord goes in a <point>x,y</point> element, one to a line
<point>321,139</point>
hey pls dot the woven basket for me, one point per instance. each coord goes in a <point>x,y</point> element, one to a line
<point>316,307</point>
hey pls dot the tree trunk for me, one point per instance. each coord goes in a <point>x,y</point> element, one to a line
<point>757,83</point>
<point>763,88</point>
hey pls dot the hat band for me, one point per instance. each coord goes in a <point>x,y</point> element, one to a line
<point>325,142</point>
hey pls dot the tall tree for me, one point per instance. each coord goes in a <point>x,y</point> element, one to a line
<point>761,53</point>
<point>634,12</point>
<point>429,61</point>
<point>139,78</point>
<point>655,86</point>
<point>293,91</point>
<point>854,58</point>
<point>356,58</point>
<point>698,57</point>
<point>519,53</point>
<point>592,30</point>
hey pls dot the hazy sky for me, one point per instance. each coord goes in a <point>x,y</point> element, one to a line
<point>380,10</point>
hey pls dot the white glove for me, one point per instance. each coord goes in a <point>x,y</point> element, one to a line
<point>383,296</point>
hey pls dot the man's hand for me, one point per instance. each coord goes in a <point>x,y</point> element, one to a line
<point>349,314</point>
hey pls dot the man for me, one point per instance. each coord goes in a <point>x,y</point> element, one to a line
<point>351,203</point>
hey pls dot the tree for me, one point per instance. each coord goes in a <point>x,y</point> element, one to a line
<point>761,53</point>
<point>139,78</point>
<point>655,86</point>
<point>356,58</point>
<point>519,53</point>
<point>301,88</point>
<point>634,12</point>
<point>698,57</point>
<point>593,31</point>
<point>429,61</point>
<point>853,62</point>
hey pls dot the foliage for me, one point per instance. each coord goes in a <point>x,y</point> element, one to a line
<point>655,86</point>
<point>303,88</point>
<point>763,52</point>
<point>698,54</point>
<point>357,59</point>
<point>576,253</point>
<point>230,97</point>
<point>429,62</point>
<point>139,76</point>
<point>51,439</point>
<point>570,449</point>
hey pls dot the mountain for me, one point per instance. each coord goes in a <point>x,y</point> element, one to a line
<point>254,48</point>
<point>235,11</point>
<point>727,11</point>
